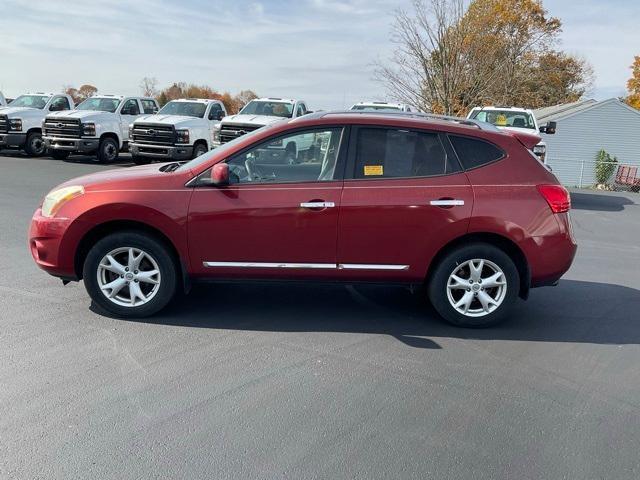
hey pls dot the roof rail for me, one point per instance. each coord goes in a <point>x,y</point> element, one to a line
<point>429,116</point>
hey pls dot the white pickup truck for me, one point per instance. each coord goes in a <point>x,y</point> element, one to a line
<point>181,130</point>
<point>382,106</point>
<point>21,121</point>
<point>98,125</point>
<point>259,113</point>
<point>516,119</point>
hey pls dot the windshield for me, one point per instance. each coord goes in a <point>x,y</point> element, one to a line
<point>31,101</point>
<point>505,118</point>
<point>100,104</point>
<point>187,109</point>
<point>196,162</point>
<point>374,108</point>
<point>271,109</point>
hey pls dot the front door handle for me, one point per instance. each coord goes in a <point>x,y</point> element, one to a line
<point>447,202</point>
<point>317,204</point>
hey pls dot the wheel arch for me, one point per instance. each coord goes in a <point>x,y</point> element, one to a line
<point>102,230</point>
<point>201,141</point>
<point>503,243</point>
<point>114,136</point>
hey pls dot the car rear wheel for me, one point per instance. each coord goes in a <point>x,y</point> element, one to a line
<point>474,286</point>
<point>108,150</point>
<point>130,274</point>
<point>35,146</point>
<point>59,154</point>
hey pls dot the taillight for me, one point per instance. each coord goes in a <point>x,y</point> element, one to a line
<point>557,197</point>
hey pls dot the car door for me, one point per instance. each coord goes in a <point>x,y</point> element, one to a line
<point>405,196</point>
<point>128,113</point>
<point>274,219</point>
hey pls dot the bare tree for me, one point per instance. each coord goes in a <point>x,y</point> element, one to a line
<point>149,86</point>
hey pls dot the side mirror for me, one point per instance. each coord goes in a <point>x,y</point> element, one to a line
<point>549,128</point>
<point>220,174</point>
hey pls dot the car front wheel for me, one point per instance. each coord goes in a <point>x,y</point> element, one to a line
<point>474,286</point>
<point>130,274</point>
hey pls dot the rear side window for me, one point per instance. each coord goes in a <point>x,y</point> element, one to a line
<point>474,152</point>
<point>389,153</point>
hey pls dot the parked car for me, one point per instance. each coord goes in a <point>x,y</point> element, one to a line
<point>383,198</point>
<point>518,120</point>
<point>181,130</point>
<point>382,106</point>
<point>258,113</point>
<point>99,125</point>
<point>21,122</point>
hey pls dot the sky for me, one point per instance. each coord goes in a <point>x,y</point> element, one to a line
<point>321,51</point>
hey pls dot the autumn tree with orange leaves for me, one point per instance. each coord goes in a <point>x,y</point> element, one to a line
<point>232,103</point>
<point>450,57</point>
<point>633,85</point>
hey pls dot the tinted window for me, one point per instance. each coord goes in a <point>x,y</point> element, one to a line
<point>388,153</point>
<point>58,104</point>
<point>473,152</point>
<point>300,157</point>
<point>130,108</point>
<point>149,106</point>
<point>215,111</point>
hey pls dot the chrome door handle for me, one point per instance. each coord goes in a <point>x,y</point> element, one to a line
<point>317,204</point>
<point>447,203</point>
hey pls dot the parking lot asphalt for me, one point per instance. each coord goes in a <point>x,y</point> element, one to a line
<point>306,381</point>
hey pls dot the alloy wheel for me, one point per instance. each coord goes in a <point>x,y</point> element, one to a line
<point>476,287</point>
<point>128,276</point>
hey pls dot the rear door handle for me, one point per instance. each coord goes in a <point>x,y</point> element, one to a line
<point>447,202</point>
<point>317,204</point>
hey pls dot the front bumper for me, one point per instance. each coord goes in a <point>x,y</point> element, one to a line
<point>12,140</point>
<point>81,145</point>
<point>168,152</point>
<point>45,244</point>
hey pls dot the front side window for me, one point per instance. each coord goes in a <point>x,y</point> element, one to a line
<point>31,101</point>
<point>149,107</point>
<point>214,113</point>
<point>186,109</point>
<point>309,156</point>
<point>130,107</point>
<point>100,104</point>
<point>392,153</point>
<point>58,104</point>
<point>474,152</point>
<point>271,109</point>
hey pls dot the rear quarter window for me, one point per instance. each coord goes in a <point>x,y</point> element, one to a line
<point>474,152</point>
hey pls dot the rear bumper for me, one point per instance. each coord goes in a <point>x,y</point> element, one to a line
<point>8,140</point>
<point>46,245</point>
<point>81,145</point>
<point>168,152</point>
<point>553,254</point>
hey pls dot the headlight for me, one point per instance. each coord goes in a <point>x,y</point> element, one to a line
<point>540,151</point>
<point>215,134</point>
<point>56,198</point>
<point>15,124</point>
<point>182,136</point>
<point>89,129</point>
<point>131,132</point>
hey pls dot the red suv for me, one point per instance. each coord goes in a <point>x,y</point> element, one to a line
<point>451,204</point>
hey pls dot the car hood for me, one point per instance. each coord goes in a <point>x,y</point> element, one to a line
<point>143,177</point>
<point>21,111</point>
<point>528,131</point>
<point>183,120</point>
<point>261,120</point>
<point>81,114</point>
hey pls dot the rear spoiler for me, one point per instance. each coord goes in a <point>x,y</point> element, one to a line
<point>529,140</point>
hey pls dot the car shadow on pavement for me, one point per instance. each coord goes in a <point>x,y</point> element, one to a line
<point>574,311</point>
<point>600,202</point>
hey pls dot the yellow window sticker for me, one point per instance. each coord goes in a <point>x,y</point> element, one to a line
<point>373,170</point>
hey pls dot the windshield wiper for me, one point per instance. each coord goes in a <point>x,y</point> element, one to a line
<point>171,167</point>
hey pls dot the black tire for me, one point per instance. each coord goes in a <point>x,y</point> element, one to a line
<point>199,149</point>
<point>108,150</point>
<point>438,286</point>
<point>138,160</point>
<point>59,154</point>
<point>156,250</point>
<point>34,145</point>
